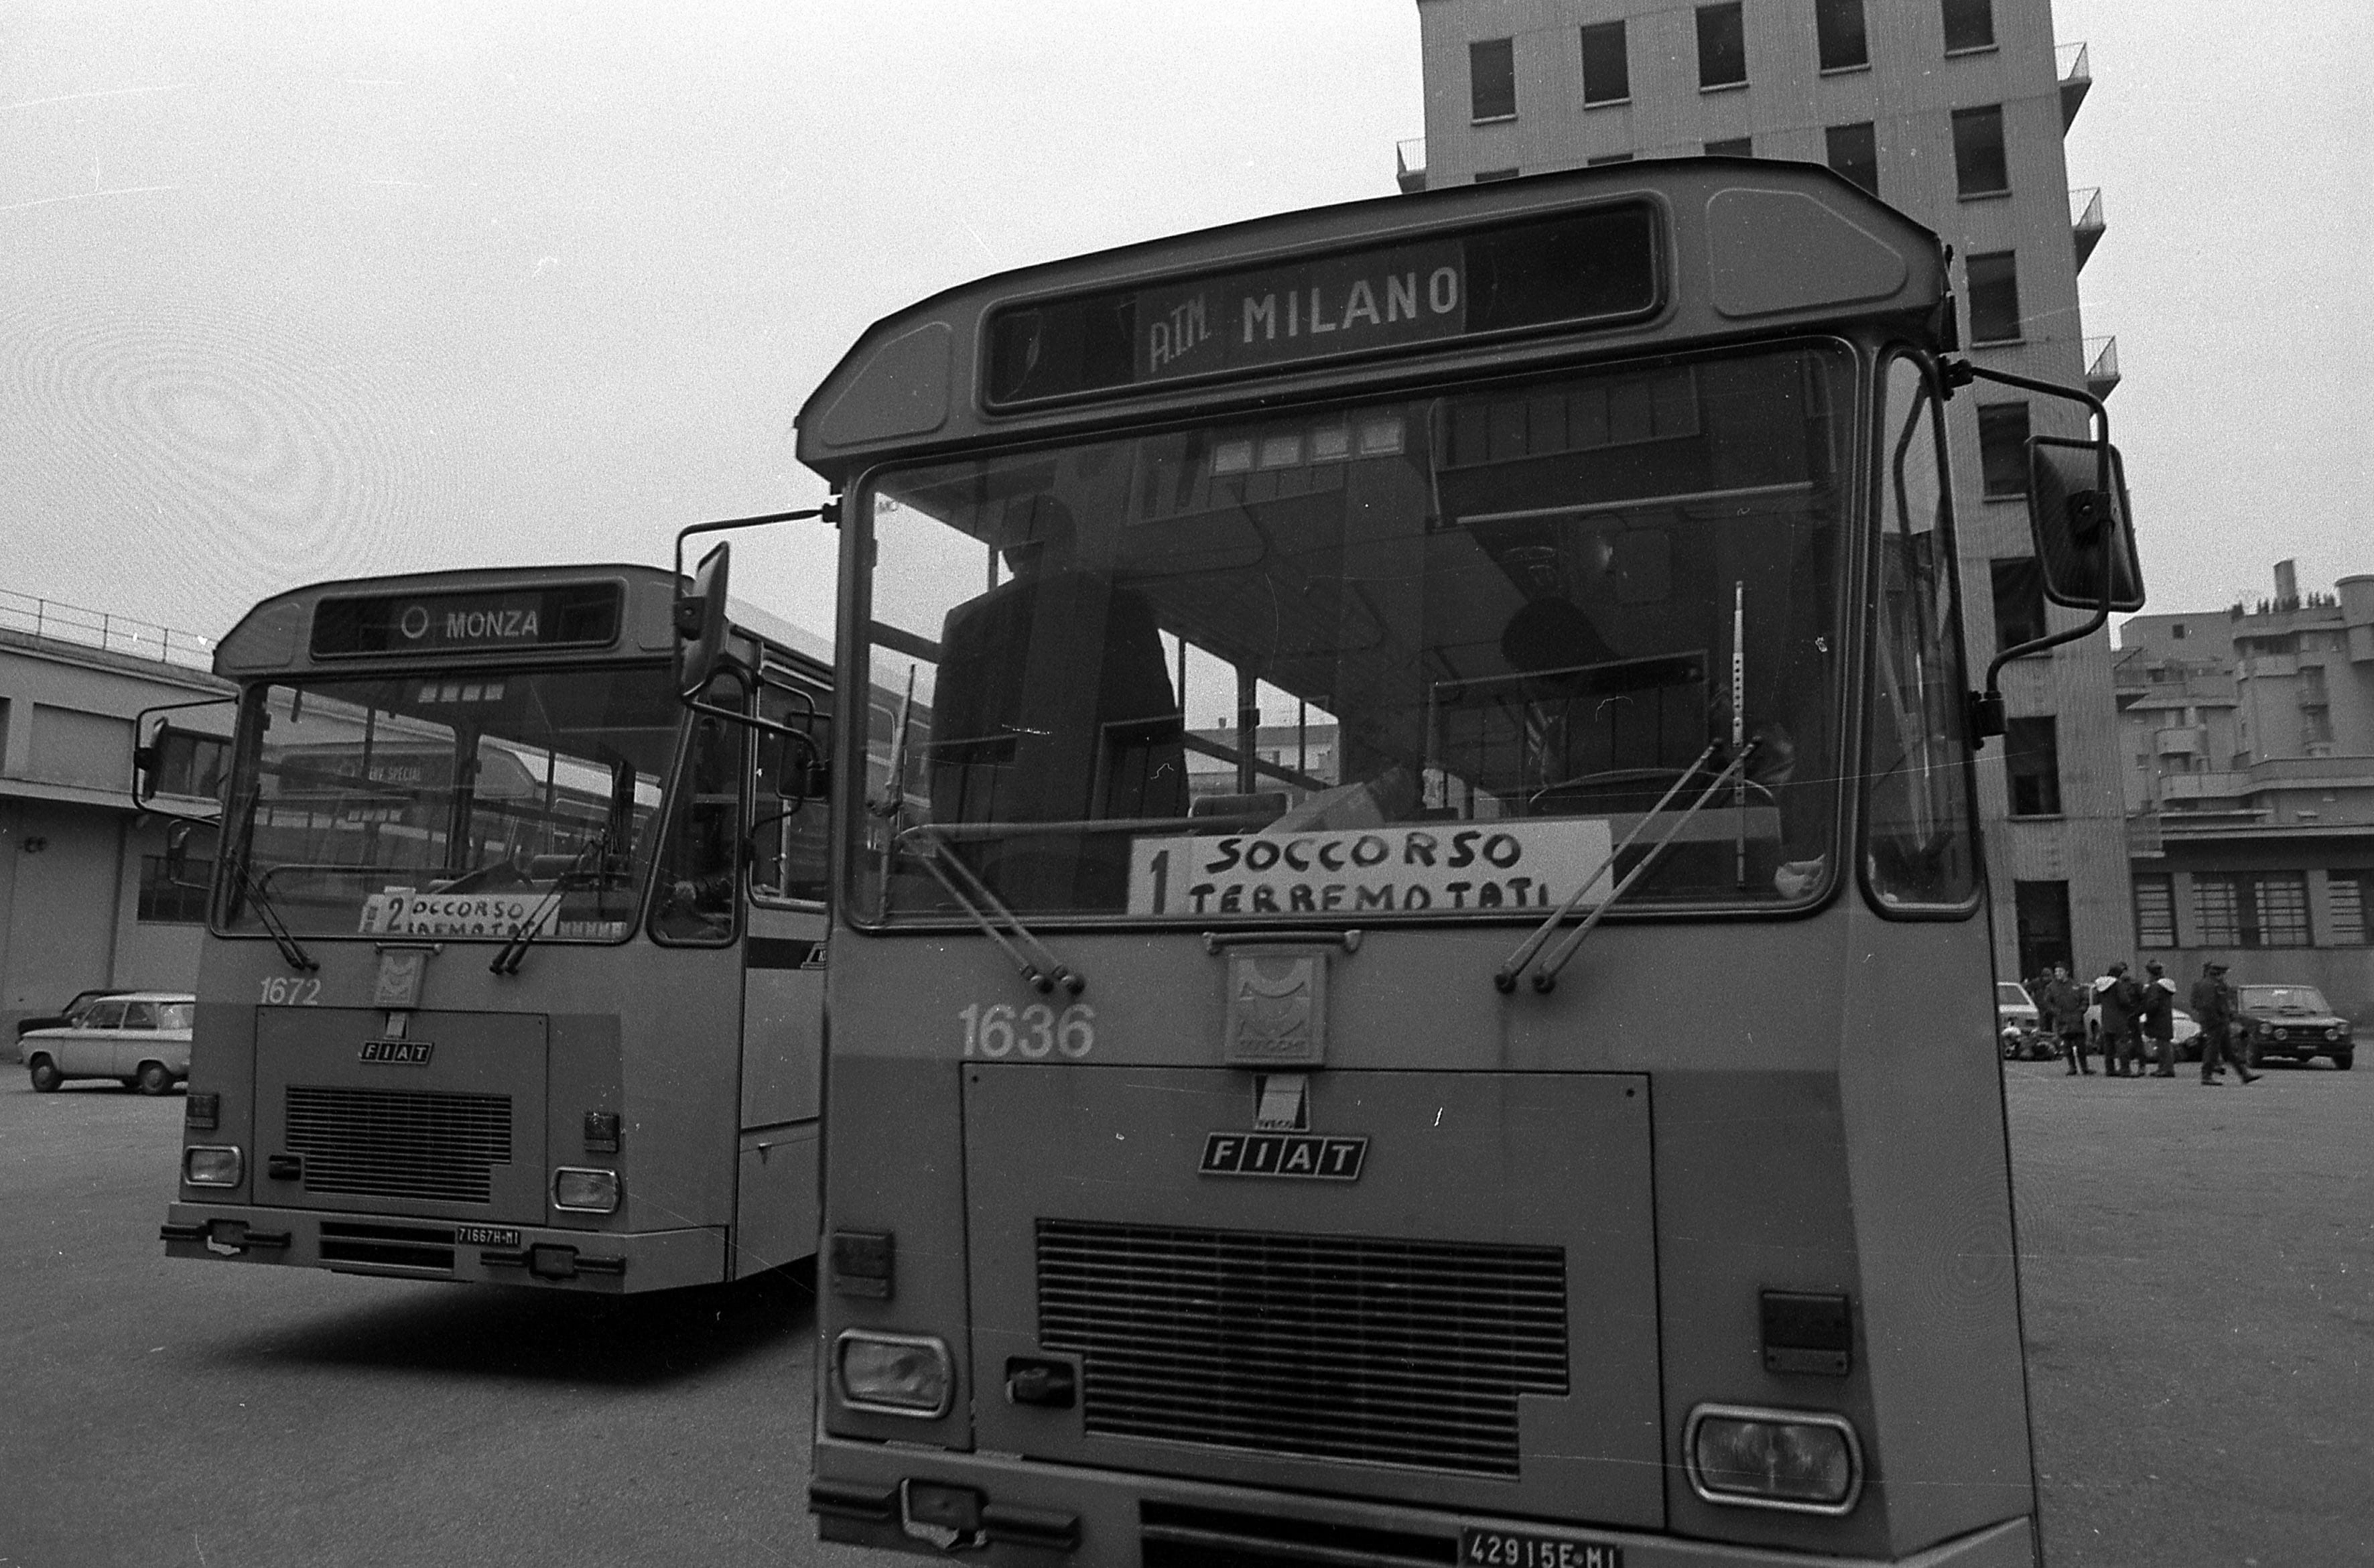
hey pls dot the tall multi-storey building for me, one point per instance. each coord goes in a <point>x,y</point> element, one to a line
<point>2248,736</point>
<point>1952,111</point>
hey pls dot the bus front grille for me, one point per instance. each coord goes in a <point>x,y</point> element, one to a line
<point>1356,1348</point>
<point>383,1143</point>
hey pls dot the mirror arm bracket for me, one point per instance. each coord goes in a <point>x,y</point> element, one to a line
<point>684,605</point>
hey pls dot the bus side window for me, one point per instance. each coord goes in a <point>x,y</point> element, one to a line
<point>1918,854</point>
<point>696,885</point>
<point>791,840</point>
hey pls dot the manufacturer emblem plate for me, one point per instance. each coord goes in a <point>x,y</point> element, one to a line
<point>396,1053</point>
<point>1289,1156</point>
<point>1277,1007</point>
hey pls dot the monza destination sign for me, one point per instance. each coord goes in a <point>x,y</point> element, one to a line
<point>1440,869</point>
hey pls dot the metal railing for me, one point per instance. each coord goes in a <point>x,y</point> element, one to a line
<point>1409,164</point>
<point>2077,71</point>
<point>2085,208</point>
<point>51,622</point>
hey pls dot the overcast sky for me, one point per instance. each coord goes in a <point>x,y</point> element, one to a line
<point>289,292</point>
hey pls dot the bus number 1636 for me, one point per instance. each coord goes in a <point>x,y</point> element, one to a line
<point>1035,1031</point>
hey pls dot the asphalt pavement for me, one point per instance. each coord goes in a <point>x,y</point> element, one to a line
<point>2197,1269</point>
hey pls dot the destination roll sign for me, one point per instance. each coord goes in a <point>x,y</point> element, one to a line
<point>1590,268</point>
<point>578,615</point>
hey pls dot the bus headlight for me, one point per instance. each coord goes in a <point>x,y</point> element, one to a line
<point>1802,1461</point>
<point>893,1374</point>
<point>584,1191</point>
<point>212,1165</point>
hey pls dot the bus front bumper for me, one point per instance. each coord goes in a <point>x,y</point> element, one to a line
<point>404,1247</point>
<point>1015,1512</point>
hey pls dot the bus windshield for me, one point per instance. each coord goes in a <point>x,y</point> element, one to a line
<point>449,805</point>
<point>1431,657</point>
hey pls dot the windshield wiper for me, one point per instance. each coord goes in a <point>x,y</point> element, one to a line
<point>1041,969</point>
<point>508,958</point>
<point>1545,971</point>
<point>267,914</point>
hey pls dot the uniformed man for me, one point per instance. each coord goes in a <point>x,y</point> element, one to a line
<point>2160,1017</point>
<point>2213,1004</point>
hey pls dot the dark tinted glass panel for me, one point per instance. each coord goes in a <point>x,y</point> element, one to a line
<point>1838,34</point>
<point>1979,166</point>
<point>1608,158</point>
<point>2019,600</point>
<point>1488,176</point>
<point>2032,761</point>
<point>1994,297</point>
<point>1736,146</point>
<point>1970,24</point>
<point>1606,71</point>
<point>1853,151</point>
<point>2003,449</point>
<point>1722,46</point>
<point>1492,78</point>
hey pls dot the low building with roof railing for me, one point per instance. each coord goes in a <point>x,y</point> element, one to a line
<point>85,901</point>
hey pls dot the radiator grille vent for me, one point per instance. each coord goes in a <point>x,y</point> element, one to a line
<point>1329,1347</point>
<point>384,1143</point>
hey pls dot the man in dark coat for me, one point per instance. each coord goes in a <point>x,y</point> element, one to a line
<point>2120,1000</point>
<point>2213,1004</point>
<point>2063,1006</point>
<point>2159,1017</point>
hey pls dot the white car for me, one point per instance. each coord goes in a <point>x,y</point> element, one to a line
<point>2181,1030</point>
<point>141,1038</point>
<point>2019,1025</point>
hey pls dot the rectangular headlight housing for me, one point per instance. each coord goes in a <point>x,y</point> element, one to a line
<point>213,1165</point>
<point>1799,1461</point>
<point>893,1374</point>
<point>583,1190</point>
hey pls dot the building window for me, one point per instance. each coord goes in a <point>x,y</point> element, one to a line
<point>1486,176</point>
<point>2155,909</point>
<point>1732,146</point>
<point>2003,450</point>
<point>1980,168</point>
<point>2041,912</point>
<point>1853,151</point>
<point>1994,297</point>
<point>1723,47</point>
<point>2351,892</point>
<point>2265,910</point>
<point>1608,158</point>
<point>2019,601</point>
<point>1606,70</point>
<point>1838,34</point>
<point>2032,757</point>
<point>1970,24</point>
<point>168,900</point>
<point>1492,79</point>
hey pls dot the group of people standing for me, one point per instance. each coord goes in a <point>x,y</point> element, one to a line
<point>2133,1011</point>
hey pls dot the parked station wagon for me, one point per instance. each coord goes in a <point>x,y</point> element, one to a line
<point>141,1038</point>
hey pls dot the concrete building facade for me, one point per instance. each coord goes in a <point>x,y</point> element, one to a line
<point>1952,111</point>
<point>2247,737</point>
<point>85,899</point>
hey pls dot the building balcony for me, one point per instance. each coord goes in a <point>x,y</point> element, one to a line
<point>1409,165</point>
<point>2101,365</point>
<point>2077,74</point>
<point>2086,224</point>
<point>2184,742</point>
<point>2220,787</point>
<point>2268,666</point>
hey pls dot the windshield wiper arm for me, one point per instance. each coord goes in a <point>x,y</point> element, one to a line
<point>1041,969</point>
<point>1546,973</point>
<point>267,914</point>
<point>1505,978</point>
<point>509,957</point>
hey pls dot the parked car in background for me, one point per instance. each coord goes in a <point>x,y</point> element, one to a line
<point>140,1038</point>
<point>65,1015</point>
<point>2020,1024</point>
<point>2292,1021</point>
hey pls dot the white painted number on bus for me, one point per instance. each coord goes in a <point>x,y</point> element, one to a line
<point>285,991</point>
<point>1035,1031</point>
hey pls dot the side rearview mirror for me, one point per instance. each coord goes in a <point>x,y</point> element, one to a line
<point>801,771</point>
<point>702,623</point>
<point>186,764</point>
<point>2082,524</point>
